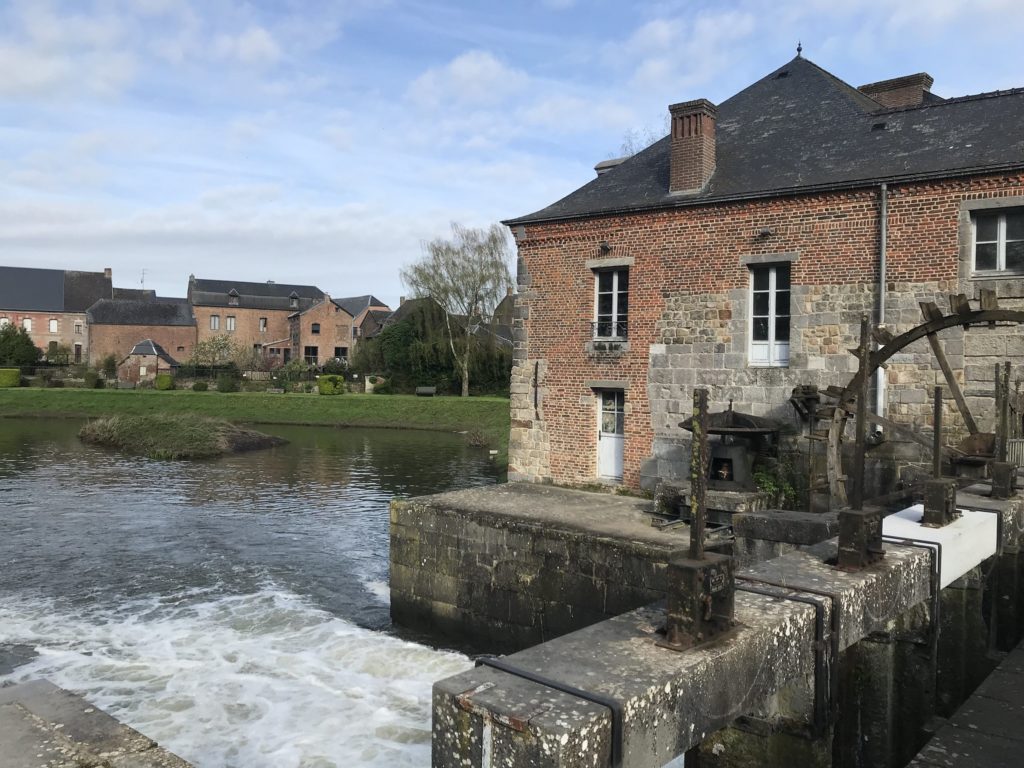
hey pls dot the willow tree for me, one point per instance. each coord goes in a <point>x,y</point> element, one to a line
<point>467,275</point>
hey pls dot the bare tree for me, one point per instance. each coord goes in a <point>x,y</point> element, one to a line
<point>467,276</point>
<point>636,140</point>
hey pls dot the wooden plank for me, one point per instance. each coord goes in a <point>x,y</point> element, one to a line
<point>951,382</point>
<point>882,336</point>
<point>959,304</point>
<point>988,299</point>
<point>930,310</point>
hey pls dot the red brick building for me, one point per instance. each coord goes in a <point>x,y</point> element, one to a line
<point>320,333</point>
<point>51,304</point>
<point>254,315</point>
<point>116,326</point>
<point>740,252</point>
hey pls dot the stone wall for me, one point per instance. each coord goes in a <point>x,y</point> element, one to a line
<point>502,568</point>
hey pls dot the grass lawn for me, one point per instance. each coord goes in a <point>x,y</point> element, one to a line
<point>487,415</point>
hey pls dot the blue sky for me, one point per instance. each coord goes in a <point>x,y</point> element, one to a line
<point>322,141</point>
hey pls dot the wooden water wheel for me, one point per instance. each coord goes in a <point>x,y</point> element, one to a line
<point>961,314</point>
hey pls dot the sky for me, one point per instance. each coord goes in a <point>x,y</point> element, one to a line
<point>324,141</point>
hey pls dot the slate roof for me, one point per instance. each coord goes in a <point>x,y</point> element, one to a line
<point>155,311</point>
<point>801,129</point>
<point>356,304</point>
<point>150,347</point>
<point>214,293</point>
<point>134,293</point>
<point>83,289</point>
<point>27,289</point>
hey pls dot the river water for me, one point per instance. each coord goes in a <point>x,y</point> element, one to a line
<point>234,610</point>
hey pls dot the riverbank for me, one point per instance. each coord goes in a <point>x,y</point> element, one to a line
<point>485,419</point>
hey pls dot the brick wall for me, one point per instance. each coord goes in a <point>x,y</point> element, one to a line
<point>335,326</point>
<point>689,314</point>
<point>247,324</point>
<point>118,340</point>
<point>71,329</point>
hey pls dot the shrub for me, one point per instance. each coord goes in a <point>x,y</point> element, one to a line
<point>335,365</point>
<point>163,382</point>
<point>92,380</point>
<point>332,385</point>
<point>10,377</point>
<point>109,367</point>
<point>382,387</point>
<point>200,386</point>
<point>227,383</point>
<point>255,386</point>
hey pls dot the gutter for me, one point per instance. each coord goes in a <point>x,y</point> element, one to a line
<point>883,235</point>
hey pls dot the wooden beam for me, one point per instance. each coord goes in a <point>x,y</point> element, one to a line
<point>951,382</point>
<point>930,310</point>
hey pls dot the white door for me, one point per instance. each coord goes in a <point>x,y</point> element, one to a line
<point>610,437</point>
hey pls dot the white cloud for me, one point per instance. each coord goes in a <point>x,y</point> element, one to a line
<point>472,78</point>
<point>254,45</point>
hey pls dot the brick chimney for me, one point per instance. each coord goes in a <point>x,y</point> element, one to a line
<point>693,145</point>
<point>906,91</point>
<point>108,272</point>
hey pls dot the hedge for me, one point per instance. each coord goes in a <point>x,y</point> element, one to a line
<point>163,382</point>
<point>331,385</point>
<point>10,377</point>
<point>200,386</point>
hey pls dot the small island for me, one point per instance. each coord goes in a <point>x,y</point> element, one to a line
<point>182,436</point>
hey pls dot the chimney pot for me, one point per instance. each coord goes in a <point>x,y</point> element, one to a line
<point>693,145</point>
<point>906,91</point>
<point>107,272</point>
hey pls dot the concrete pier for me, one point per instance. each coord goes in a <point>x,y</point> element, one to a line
<point>825,667</point>
<point>43,726</point>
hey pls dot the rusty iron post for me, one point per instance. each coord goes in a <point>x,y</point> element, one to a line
<point>1004,473</point>
<point>939,492</point>
<point>699,474</point>
<point>937,435</point>
<point>861,425</point>
<point>700,588</point>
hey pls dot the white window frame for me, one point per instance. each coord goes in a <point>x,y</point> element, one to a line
<point>616,316</point>
<point>1000,241</point>
<point>229,323</point>
<point>214,322</point>
<point>770,353</point>
<point>263,325</point>
<point>53,325</point>
<point>78,329</point>
<point>26,323</point>
<point>4,321</point>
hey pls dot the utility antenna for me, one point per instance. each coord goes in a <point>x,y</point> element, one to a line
<point>143,281</point>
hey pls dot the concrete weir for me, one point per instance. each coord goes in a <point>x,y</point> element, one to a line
<point>43,726</point>
<point>823,668</point>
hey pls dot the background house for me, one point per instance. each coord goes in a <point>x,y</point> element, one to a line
<point>320,333</point>
<point>254,315</point>
<point>51,305</point>
<point>144,361</point>
<point>367,314</point>
<point>740,252</point>
<point>117,325</point>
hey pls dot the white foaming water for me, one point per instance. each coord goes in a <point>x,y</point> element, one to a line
<point>262,679</point>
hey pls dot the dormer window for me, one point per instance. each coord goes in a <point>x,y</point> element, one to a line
<point>232,298</point>
<point>293,301</point>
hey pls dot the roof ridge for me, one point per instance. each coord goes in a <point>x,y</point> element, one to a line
<point>954,100</point>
